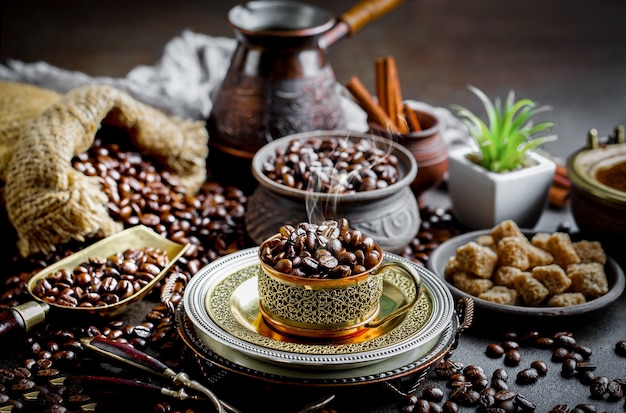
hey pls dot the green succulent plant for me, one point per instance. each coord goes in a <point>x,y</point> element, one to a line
<point>504,143</point>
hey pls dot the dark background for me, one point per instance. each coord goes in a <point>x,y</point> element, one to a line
<point>569,54</point>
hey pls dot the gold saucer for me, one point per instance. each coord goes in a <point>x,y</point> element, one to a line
<point>233,304</point>
<point>221,301</point>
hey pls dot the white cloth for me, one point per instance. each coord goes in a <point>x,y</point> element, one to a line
<point>182,82</point>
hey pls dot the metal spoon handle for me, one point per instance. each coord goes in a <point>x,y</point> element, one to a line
<point>15,321</point>
<point>128,355</point>
<point>106,384</point>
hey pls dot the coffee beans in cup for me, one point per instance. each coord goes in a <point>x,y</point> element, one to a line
<point>329,250</point>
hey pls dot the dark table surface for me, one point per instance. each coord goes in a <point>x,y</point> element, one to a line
<point>568,54</point>
<point>598,331</point>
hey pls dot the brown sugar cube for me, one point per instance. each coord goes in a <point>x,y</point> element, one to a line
<point>506,228</point>
<point>553,277</point>
<point>476,259</point>
<point>505,275</point>
<point>486,241</point>
<point>588,279</point>
<point>471,284</point>
<point>562,249</point>
<point>566,300</point>
<point>540,240</point>
<point>531,290</point>
<point>501,295</point>
<point>512,252</point>
<point>538,256</point>
<point>452,267</point>
<point>590,251</point>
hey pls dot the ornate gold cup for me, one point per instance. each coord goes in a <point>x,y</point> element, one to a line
<point>327,308</point>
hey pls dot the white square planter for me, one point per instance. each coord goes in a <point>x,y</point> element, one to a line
<point>481,199</point>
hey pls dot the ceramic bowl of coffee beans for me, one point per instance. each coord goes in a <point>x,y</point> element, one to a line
<point>104,278</point>
<point>325,281</point>
<point>319,175</point>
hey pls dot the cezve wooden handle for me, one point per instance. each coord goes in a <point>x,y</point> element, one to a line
<point>366,11</point>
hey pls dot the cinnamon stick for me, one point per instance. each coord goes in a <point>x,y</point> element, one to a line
<point>381,84</point>
<point>394,94</point>
<point>560,178</point>
<point>561,181</point>
<point>561,170</point>
<point>368,104</point>
<point>411,118</point>
<point>558,197</point>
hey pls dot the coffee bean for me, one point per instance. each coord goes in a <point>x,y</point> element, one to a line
<point>433,394</point>
<point>620,348</point>
<point>544,342</point>
<point>586,408</point>
<point>527,376</point>
<point>540,366</point>
<point>568,367</point>
<point>433,407</point>
<point>512,358</point>
<point>465,397</point>
<point>494,350</point>
<point>560,354</point>
<point>508,406</point>
<point>510,345</point>
<point>504,395</point>
<point>480,384</point>
<point>586,377</point>
<point>599,386</point>
<point>565,340</point>
<point>450,407</point>
<point>585,366</point>
<point>421,406</point>
<point>500,374</point>
<point>615,390</point>
<point>584,351</point>
<point>499,384</point>
<point>524,404</point>
<point>474,373</point>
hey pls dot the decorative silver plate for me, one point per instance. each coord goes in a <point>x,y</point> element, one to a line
<point>393,367</point>
<point>221,302</point>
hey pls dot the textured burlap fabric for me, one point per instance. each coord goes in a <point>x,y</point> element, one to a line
<point>49,202</point>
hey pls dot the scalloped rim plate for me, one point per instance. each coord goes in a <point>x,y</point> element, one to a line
<point>233,360</point>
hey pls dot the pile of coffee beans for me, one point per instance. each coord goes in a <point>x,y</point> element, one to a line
<point>99,281</point>
<point>139,191</point>
<point>472,387</point>
<point>333,165</point>
<point>329,250</point>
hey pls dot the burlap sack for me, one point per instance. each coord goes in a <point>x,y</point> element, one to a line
<point>50,203</point>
